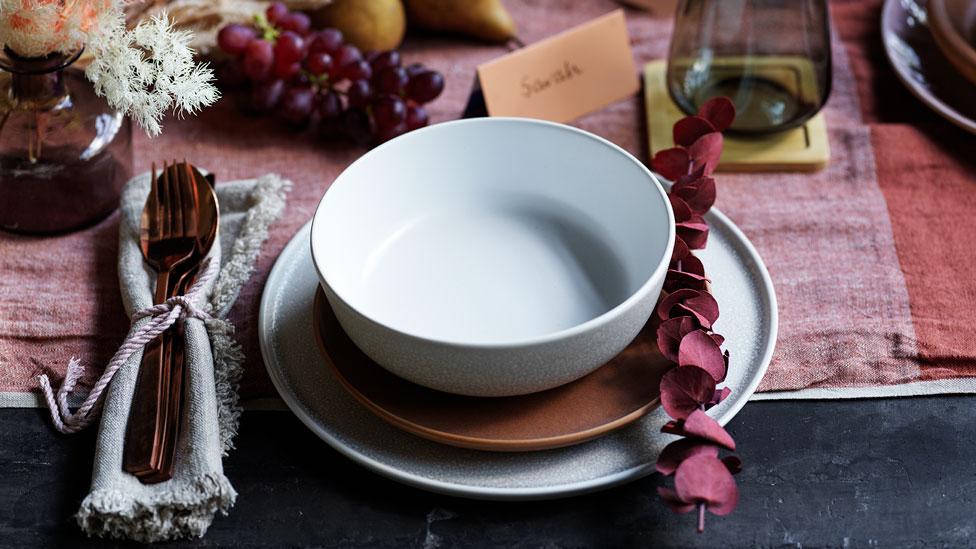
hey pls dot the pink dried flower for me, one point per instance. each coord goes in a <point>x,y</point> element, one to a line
<point>143,72</point>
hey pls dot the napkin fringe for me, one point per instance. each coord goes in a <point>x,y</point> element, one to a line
<point>116,514</point>
<point>228,369</point>
<point>268,202</point>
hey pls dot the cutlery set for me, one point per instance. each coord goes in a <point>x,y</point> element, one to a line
<point>177,230</point>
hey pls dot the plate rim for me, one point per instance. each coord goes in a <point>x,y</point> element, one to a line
<point>769,295</point>
<point>416,481</point>
<point>469,441</point>
<point>922,94</point>
<point>567,489</point>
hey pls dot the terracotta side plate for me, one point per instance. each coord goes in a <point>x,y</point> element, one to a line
<point>618,393</point>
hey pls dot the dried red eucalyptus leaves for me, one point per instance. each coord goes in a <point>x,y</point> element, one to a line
<point>702,480</point>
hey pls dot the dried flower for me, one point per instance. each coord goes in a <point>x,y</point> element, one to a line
<point>35,28</point>
<point>148,70</point>
<point>143,72</point>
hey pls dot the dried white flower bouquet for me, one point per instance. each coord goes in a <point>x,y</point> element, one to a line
<point>143,72</point>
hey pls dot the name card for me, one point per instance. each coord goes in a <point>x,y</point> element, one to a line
<point>564,77</point>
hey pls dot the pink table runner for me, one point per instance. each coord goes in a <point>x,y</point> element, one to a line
<point>870,257</point>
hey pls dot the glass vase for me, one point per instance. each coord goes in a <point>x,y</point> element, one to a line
<point>770,57</point>
<point>64,153</point>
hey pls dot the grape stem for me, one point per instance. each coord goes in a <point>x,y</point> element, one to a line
<point>268,31</point>
<point>701,517</point>
<point>320,80</point>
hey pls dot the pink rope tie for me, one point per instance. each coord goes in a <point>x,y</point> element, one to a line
<point>164,315</point>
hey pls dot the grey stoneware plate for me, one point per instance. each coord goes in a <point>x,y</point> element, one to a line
<point>748,320</point>
<point>921,65</point>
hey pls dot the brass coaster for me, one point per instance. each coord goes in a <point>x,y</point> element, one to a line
<point>801,149</point>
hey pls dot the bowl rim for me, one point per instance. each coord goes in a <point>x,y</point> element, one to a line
<point>543,339</point>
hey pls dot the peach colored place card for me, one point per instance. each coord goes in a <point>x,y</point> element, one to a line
<point>564,77</point>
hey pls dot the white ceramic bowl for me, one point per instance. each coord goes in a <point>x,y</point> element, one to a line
<point>493,256</point>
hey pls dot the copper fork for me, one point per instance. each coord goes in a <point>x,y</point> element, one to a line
<point>174,351</point>
<point>168,232</point>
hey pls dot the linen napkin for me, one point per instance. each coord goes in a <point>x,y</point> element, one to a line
<point>119,506</point>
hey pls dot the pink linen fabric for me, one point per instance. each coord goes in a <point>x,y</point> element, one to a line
<point>845,310</point>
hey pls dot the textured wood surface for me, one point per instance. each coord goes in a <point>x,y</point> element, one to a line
<point>870,473</point>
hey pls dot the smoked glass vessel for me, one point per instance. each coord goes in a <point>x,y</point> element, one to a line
<point>64,153</point>
<point>771,57</point>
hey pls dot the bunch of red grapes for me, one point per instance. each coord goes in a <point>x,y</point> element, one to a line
<point>311,78</point>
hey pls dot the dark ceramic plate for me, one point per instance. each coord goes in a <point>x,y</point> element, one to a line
<point>921,65</point>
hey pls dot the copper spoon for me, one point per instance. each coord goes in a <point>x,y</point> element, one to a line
<point>165,244</point>
<point>208,222</point>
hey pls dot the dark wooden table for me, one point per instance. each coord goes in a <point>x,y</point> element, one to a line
<point>864,473</point>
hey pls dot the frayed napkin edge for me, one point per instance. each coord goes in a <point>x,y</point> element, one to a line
<point>114,514</point>
<point>269,196</point>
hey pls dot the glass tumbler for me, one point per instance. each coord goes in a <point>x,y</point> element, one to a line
<point>770,57</point>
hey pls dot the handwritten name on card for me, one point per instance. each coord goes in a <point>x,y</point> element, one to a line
<point>564,77</point>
